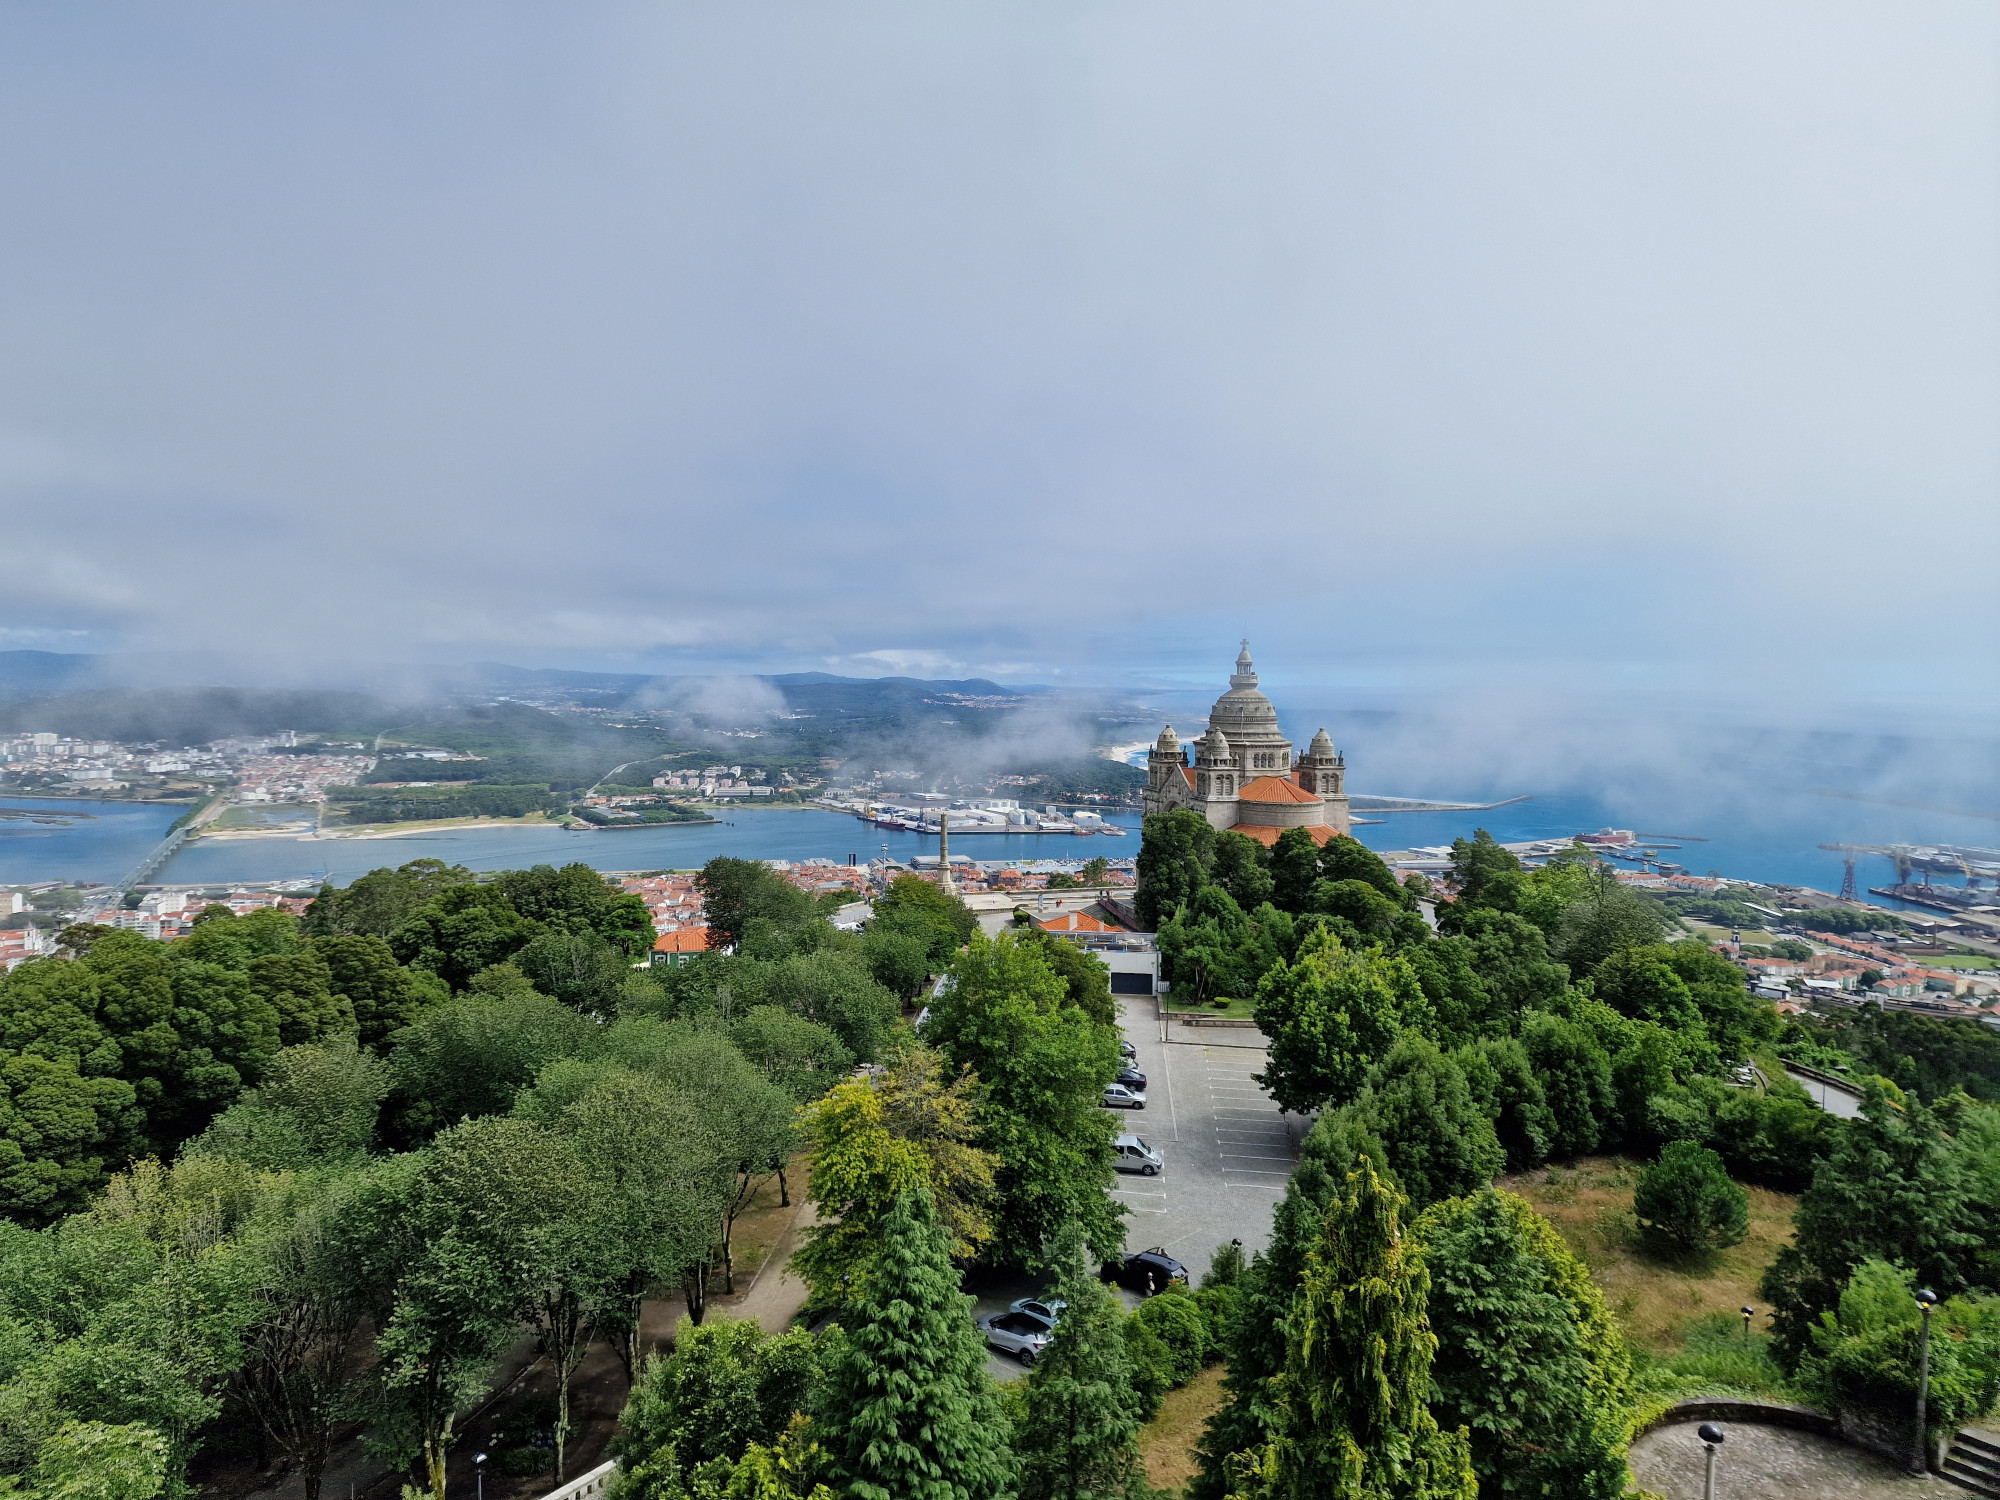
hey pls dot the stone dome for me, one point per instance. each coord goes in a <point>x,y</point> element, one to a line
<point>1322,744</point>
<point>1168,743</point>
<point>1244,712</point>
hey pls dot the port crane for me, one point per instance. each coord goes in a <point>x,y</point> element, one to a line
<point>1943,859</point>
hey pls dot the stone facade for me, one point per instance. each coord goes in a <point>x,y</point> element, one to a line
<point>1244,775</point>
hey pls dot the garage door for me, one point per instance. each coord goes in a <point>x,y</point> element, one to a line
<point>1131,984</point>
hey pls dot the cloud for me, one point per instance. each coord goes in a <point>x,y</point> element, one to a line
<point>1565,345</point>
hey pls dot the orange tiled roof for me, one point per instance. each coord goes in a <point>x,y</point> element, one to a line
<point>1274,789</point>
<point>686,940</point>
<point>1076,921</point>
<point>1268,837</point>
<point>1188,771</point>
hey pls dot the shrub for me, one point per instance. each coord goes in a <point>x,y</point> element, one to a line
<point>1182,1326</point>
<point>1686,1203</point>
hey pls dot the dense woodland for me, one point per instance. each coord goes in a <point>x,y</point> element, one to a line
<point>285,1180</point>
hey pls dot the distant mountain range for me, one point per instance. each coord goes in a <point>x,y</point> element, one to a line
<point>50,674</point>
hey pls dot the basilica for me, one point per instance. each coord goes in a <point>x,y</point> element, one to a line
<point>1244,776</point>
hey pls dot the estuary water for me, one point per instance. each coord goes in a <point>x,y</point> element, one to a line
<point>62,838</point>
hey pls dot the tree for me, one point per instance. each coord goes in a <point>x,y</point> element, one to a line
<point>1513,964</point>
<point>735,892</point>
<point>899,961</point>
<point>1294,870</point>
<point>835,990</point>
<point>377,903</point>
<point>1329,1016</point>
<point>489,1241</point>
<point>1238,866</point>
<point>910,904</point>
<point>464,929</point>
<point>1686,1203</point>
<point>582,970</point>
<point>799,1056</point>
<point>317,1106</point>
<point>316,1294</point>
<point>1484,874</point>
<point>1083,975</point>
<point>909,1413</point>
<point>752,1120</point>
<point>581,902</point>
<point>1893,1188</point>
<point>1439,1142</point>
<point>1352,1410</point>
<point>1604,920</point>
<point>101,1461</point>
<point>1175,850</point>
<point>58,1134</point>
<point>694,1415</point>
<point>471,1055</point>
<point>1505,1089</point>
<point>383,996</point>
<point>1042,1066</point>
<point>1079,1435</point>
<point>873,1143</point>
<point>1575,1076</point>
<point>1529,1361</point>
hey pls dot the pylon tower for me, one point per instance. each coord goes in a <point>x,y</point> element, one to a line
<point>1847,882</point>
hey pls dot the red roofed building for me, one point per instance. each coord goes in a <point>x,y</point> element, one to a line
<point>1244,776</point>
<point>672,949</point>
<point>1076,922</point>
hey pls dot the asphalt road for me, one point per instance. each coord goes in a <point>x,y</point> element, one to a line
<point>1228,1154</point>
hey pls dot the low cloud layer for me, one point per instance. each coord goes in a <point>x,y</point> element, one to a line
<point>1561,345</point>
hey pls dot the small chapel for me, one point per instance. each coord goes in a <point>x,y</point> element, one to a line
<point>1244,776</point>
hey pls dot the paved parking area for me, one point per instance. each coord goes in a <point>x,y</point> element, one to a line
<point>1228,1154</point>
<point>1228,1150</point>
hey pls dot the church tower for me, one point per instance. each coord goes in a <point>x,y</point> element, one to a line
<point>1322,771</point>
<point>1164,763</point>
<point>1216,777</point>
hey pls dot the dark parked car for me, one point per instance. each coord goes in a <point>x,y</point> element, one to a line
<point>1126,1049</point>
<point>1132,1078</point>
<point>1148,1271</point>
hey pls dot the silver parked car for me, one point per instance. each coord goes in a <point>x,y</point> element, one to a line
<point>1117,1096</point>
<point>1036,1307</point>
<point>1020,1334</point>
<point>1134,1155</point>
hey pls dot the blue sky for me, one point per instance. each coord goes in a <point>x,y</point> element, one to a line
<point>1437,347</point>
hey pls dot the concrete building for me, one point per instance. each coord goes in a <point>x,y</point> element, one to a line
<point>1244,775</point>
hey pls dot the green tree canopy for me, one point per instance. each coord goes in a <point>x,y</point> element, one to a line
<point>1352,1413</point>
<point>1329,1016</point>
<point>909,1413</point>
<point>1042,1065</point>
<point>1529,1361</point>
<point>1686,1203</point>
<point>1078,1437</point>
<point>1439,1143</point>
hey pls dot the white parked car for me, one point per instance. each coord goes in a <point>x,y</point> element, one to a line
<point>1134,1155</point>
<point>1117,1096</point>
<point>1020,1334</point>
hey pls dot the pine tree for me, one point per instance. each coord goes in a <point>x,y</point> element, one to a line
<point>1528,1358</point>
<point>909,1413</point>
<point>1079,1439</point>
<point>1353,1418</point>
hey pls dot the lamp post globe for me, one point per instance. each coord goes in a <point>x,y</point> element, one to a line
<point>1711,1440</point>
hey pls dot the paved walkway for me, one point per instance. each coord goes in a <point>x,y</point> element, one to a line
<point>1774,1461</point>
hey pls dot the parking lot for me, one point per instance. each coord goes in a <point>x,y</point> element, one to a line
<point>1228,1153</point>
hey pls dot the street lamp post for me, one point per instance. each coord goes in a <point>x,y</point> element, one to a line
<point>479,1471</point>
<point>1711,1439</point>
<point>1748,1314</point>
<point>1926,1300</point>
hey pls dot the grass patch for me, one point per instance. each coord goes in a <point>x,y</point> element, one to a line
<point>1236,1009</point>
<point>1654,1300</point>
<point>1167,1443</point>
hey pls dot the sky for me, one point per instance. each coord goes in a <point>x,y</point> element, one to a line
<point>1507,350</point>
